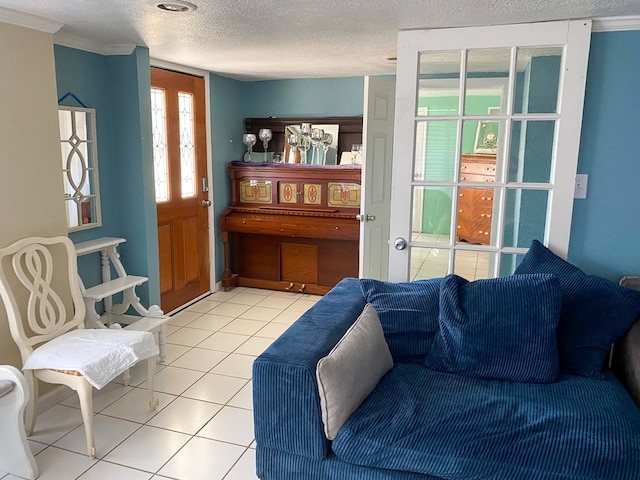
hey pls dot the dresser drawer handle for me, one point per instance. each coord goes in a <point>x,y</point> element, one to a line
<point>462,195</point>
<point>460,211</point>
<point>244,222</point>
<point>459,226</point>
<point>462,178</point>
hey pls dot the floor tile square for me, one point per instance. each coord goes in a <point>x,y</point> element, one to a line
<point>246,298</point>
<point>108,432</point>
<point>202,459</point>
<point>182,318</point>
<point>244,398</point>
<point>174,416</point>
<point>277,302</point>
<point>272,330</point>
<point>203,306</point>
<point>235,366</point>
<point>254,346</point>
<point>262,314</point>
<point>229,309</point>
<point>56,464</point>
<point>56,422</point>
<point>215,388</point>
<point>134,406</point>
<point>231,424</point>
<point>200,359</point>
<point>245,468</point>
<point>101,398</point>
<point>287,317</point>
<point>210,322</point>
<point>189,337</point>
<point>224,342</point>
<point>243,326</point>
<point>148,449</point>
<point>173,352</point>
<point>174,380</point>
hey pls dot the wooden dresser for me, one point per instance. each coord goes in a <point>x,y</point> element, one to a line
<point>475,204</point>
<point>291,227</point>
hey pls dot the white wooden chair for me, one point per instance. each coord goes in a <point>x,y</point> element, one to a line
<point>15,455</point>
<point>40,290</point>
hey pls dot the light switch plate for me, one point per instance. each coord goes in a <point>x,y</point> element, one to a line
<point>581,185</point>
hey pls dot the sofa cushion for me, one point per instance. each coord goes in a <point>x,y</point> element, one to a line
<point>408,313</point>
<point>351,370</point>
<point>595,312</point>
<point>500,328</point>
<point>457,427</point>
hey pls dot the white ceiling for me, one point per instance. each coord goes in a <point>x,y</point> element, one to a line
<point>275,39</point>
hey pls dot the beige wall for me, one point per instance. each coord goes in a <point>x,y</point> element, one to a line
<point>30,177</point>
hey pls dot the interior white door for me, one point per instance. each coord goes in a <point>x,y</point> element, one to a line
<point>487,131</point>
<point>379,101</point>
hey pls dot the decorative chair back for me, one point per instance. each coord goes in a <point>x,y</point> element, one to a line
<point>42,271</point>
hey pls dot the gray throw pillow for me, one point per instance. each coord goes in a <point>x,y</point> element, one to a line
<point>350,372</point>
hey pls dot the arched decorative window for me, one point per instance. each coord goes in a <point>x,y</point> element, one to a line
<point>79,153</point>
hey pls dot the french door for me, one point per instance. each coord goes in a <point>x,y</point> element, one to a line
<point>181,187</point>
<point>487,130</point>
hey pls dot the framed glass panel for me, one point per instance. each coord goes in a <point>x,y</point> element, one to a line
<point>159,137</point>
<point>79,154</point>
<point>538,79</point>
<point>428,263</point>
<point>475,215</point>
<point>431,220</point>
<point>525,217</point>
<point>487,81</point>
<point>187,145</point>
<point>439,83</point>
<point>532,143</point>
<point>509,262</point>
<point>435,151</point>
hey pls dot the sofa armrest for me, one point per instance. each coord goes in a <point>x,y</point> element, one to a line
<point>286,403</point>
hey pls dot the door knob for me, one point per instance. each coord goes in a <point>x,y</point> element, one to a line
<point>206,203</point>
<point>400,243</point>
<point>366,218</point>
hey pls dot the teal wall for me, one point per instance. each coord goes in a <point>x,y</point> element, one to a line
<point>313,97</point>
<point>118,88</point>
<point>605,230</point>
<point>85,75</point>
<point>227,127</point>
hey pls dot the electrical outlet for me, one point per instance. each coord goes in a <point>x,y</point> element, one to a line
<point>581,185</point>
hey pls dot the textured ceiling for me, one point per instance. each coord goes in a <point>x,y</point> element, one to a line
<point>274,39</point>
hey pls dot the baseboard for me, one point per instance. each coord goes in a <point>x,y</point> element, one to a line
<point>53,397</point>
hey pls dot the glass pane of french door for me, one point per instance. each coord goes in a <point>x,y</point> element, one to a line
<point>482,144</point>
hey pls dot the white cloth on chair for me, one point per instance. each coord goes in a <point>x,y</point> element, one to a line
<point>99,355</point>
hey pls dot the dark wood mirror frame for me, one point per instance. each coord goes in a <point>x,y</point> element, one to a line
<point>349,133</point>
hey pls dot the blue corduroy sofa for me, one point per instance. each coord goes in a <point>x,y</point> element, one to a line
<point>506,414</point>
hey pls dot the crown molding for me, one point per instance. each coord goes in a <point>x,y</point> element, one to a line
<point>22,19</point>
<point>79,43</point>
<point>615,24</point>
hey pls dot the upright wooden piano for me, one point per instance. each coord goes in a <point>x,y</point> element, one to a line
<point>291,227</point>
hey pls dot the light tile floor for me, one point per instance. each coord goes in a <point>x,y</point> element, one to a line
<point>203,426</point>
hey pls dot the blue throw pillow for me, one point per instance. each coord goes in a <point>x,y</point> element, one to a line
<point>595,312</point>
<point>408,312</point>
<point>500,328</point>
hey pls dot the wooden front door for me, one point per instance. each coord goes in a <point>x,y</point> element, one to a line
<point>182,198</point>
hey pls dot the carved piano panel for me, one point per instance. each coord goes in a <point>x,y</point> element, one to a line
<point>291,227</point>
